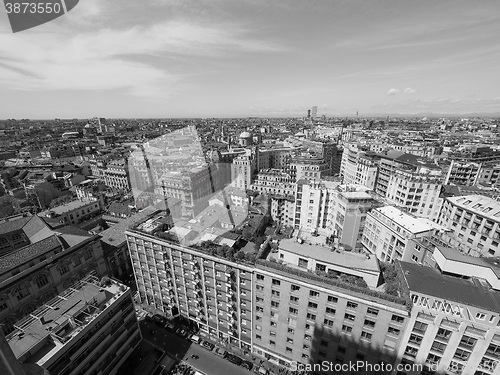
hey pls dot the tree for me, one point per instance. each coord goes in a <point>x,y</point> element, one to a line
<point>6,207</point>
<point>240,255</point>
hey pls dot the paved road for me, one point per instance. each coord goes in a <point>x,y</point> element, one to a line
<point>176,346</point>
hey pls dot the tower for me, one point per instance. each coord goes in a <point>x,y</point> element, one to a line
<point>314,112</point>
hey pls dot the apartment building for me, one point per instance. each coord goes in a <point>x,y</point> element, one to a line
<point>391,234</point>
<point>190,186</point>
<point>76,211</point>
<point>391,161</point>
<point>417,191</point>
<point>213,292</point>
<point>283,209</point>
<point>359,166</point>
<point>453,327</point>
<point>352,204</point>
<point>329,208</point>
<point>281,312</point>
<point>281,188</point>
<point>489,174</point>
<point>90,328</point>
<point>311,319</point>
<point>274,182</point>
<point>328,150</point>
<point>116,175</point>
<point>307,166</point>
<point>313,205</point>
<point>37,263</point>
<point>242,170</point>
<point>463,173</point>
<point>319,257</point>
<point>473,222</point>
<point>274,158</point>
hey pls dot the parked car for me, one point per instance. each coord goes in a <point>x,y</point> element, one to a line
<point>260,370</point>
<point>157,319</point>
<point>195,338</point>
<point>234,359</point>
<point>149,317</point>
<point>181,332</point>
<point>220,351</point>
<point>247,364</point>
<point>207,345</point>
<point>169,326</point>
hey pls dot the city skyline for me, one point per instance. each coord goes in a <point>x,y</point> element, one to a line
<point>247,58</point>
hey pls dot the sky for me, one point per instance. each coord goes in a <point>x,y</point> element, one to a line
<point>232,58</point>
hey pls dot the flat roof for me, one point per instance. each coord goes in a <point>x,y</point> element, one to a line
<point>430,281</point>
<point>46,330</point>
<point>70,206</point>
<point>325,254</point>
<point>408,222</point>
<point>356,195</point>
<point>115,235</point>
<point>479,204</point>
<point>455,255</point>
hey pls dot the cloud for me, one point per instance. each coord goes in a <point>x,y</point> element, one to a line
<point>110,59</point>
<point>393,92</point>
<point>409,91</point>
<point>439,105</point>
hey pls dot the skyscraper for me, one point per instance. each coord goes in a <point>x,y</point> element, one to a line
<point>314,112</point>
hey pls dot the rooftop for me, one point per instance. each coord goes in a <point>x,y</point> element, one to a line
<point>325,254</point>
<point>479,204</point>
<point>27,253</point>
<point>114,236</point>
<point>45,331</point>
<point>429,281</point>
<point>408,222</point>
<point>68,207</point>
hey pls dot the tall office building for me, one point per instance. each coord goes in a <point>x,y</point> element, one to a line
<point>314,112</point>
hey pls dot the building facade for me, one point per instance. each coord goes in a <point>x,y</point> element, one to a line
<point>450,330</point>
<point>90,327</point>
<point>417,192</point>
<point>278,313</point>
<point>391,234</point>
<point>37,263</point>
<point>473,223</point>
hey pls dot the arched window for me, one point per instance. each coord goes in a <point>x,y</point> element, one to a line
<point>8,326</point>
<point>63,269</point>
<point>87,254</point>
<point>41,280</point>
<point>21,292</point>
<point>76,261</point>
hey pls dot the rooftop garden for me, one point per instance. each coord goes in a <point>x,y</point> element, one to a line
<point>397,296</point>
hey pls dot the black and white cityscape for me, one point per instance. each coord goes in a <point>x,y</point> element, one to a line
<point>278,188</point>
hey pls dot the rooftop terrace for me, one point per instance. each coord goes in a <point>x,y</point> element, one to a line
<point>49,328</point>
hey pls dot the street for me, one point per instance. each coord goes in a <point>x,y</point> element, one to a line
<point>176,346</point>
